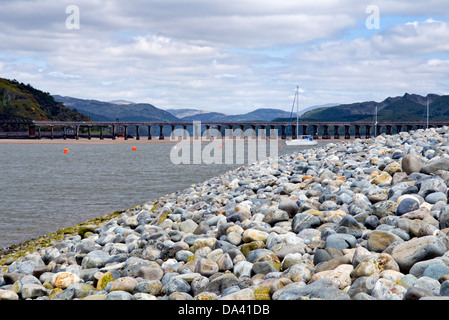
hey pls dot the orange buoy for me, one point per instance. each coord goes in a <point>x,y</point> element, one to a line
<point>134,148</point>
<point>220,147</point>
<point>66,150</point>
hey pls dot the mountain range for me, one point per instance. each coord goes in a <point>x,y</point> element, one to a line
<point>129,111</point>
<point>121,110</point>
<point>20,101</point>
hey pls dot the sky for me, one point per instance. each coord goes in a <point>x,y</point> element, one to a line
<point>230,56</point>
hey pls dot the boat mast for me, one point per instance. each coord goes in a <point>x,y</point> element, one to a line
<point>297,121</point>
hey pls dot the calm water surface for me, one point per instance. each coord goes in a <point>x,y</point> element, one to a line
<point>42,189</point>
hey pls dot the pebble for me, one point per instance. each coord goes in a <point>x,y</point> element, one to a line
<point>365,220</point>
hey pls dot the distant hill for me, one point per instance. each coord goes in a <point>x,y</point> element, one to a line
<point>409,107</point>
<point>22,101</point>
<point>121,102</point>
<point>327,105</point>
<point>184,113</point>
<point>303,111</point>
<point>110,111</point>
<point>263,114</point>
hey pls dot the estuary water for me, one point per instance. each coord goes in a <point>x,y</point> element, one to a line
<point>44,188</point>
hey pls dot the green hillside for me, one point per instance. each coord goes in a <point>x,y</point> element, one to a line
<point>22,101</point>
<point>409,107</point>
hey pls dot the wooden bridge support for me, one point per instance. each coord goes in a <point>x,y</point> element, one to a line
<point>294,133</point>
<point>32,132</point>
<point>326,132</point>
<point>315,132</point>
<point>304,130</point>
<point>347,132</point>
<point>357,131</point>
<point>368,131</point>
<point>284,132</point>
<point>161,134</point>
<point>336,133</point>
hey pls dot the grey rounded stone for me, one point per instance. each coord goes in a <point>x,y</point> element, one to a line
<point>119,295</point>
<point>436,271</point>
<point>412,163</point>
<point>289,206</point>
<point>323,288</point>
<point>340,241</point>
<point>417,249</point>
<point>303,221</point>
<point>407,205</point>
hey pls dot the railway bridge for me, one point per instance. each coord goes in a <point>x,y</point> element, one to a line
<point>283,130</point>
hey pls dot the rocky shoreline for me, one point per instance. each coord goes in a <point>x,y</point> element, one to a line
<point>354,220</point>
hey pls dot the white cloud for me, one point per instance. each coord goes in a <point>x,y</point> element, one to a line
<point>228,56</point>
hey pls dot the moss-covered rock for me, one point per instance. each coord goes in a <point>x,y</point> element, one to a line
<point>262,293</point>
<point>104,280</point>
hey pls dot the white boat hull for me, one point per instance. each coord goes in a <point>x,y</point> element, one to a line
<point>301,142</point>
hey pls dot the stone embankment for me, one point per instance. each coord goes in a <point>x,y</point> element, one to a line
<point>363,219</point>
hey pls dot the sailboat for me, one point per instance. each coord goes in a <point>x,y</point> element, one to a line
<point>306,140</point>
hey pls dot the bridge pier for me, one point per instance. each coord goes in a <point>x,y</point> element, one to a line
<point>149,132</point>
<point>315,132</point>
<point>196,130</point>
<point>357,131</point>
<point>368,131</point>
<point>88,133</point>
<point>284,132</point>
<point>326,132</point>
<point>294,135</point>
<point>137,133</point>
<point>101,133</point>
<point>242,134</point>
<point>347,132</point>
<point>336,134</point>
<point>161,134</point>
<point>304,130</point>
<point>32,132</point>
<point>264,132</point>
<point>125,132</point>
<point>231,132</point>
<point>172,132</point>
<point>208,137</point>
